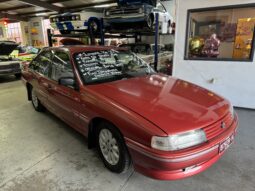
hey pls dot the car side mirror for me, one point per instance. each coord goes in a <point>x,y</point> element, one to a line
<point>68,82</point>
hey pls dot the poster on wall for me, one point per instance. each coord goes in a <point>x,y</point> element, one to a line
<point>243,40</point>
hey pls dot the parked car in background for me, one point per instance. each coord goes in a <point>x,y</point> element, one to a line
<point>139,13</point>
<point>166,127</point>
<point>8,64</point>
<point>146,52</point>
<point>25,53</point>
<point>78,21</point>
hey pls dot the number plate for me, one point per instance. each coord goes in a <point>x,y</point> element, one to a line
<point>225,144</point>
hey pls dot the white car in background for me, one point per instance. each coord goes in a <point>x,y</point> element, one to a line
<point>78,21</point>
<point>138,13</point>
<point>8,64</point>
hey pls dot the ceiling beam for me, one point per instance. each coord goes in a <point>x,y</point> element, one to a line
<point>13,17</point>
<point>90,5</point>
<point>69,8</point>
<point>35,12</point>
<point>42,4</point>
<point>15,8</point>
<point>28,6</point>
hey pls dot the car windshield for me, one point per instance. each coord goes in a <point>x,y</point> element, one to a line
<point>110,65</point>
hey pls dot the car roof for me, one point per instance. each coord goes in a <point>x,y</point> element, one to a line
<point>84,48</point>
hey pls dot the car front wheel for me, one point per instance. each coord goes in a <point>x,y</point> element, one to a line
<point>150,22</point>
<point>112,148</point>
<point>36,102</point>
<point>94,26</point>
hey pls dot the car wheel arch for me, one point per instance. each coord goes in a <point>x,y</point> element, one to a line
<point>92,130</point>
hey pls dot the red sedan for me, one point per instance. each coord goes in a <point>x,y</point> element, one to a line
<point>166,127</point>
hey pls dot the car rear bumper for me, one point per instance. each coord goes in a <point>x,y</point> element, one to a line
<point>178,165</point>
<point>6,72</point>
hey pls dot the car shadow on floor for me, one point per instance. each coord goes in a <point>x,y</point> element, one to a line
<point>7,79</point>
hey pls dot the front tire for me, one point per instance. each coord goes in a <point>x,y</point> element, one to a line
<point>150,22</point>
<point>36,102</point>
<point>94,26</point>
<point>112,148</point>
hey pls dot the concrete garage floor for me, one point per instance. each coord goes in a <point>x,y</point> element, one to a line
<point>39,152</point>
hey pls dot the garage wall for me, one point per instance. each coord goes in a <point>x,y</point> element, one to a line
<point>233,80</point>
<point>4,36</point>
<point>36,32</point>
<point>24,26</point>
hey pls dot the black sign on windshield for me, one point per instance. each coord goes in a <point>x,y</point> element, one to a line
<point>108,65</point>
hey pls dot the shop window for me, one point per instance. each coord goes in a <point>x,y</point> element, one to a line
<point>221,34</point>
<point>14,32</point>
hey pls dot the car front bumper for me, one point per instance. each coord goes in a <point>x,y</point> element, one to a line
<point>177,165</point>
<point>125,19</point>
<point>70,25</point>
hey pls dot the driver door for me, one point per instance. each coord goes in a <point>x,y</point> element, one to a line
<point>65,99</point>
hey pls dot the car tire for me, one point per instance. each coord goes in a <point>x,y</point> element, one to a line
<point>94,26</point>
<point>36,102</point>
<point>18,76</point>
<point>150,22</point>
<point>64,32</point>
<point>112,148</point>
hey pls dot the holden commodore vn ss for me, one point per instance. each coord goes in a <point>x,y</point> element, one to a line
<point>165,127</point>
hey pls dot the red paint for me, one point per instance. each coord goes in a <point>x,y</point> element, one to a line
<point>141,108</point>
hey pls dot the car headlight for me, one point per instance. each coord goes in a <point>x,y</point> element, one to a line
<point>178,141</point>
<point>73,17</point>
<point>77,17</point>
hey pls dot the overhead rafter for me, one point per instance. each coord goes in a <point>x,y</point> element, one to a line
<point>35,12</point>
<point>28,6</point>
<point>13,17</point>
<point>15,8</point>
<point>90,5</point>
<point>69,8</point>
<point>42,4</point>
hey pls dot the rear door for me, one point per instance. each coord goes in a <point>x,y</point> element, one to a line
<point>39,70</point>
<point>66,100</point>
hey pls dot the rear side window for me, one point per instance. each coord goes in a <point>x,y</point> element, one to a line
<point>61,66</point>
<point>41,63</point>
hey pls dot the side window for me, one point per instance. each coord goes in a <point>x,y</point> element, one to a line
<point>161,8</point>
<point>41,63</point>
<point>61,66</point>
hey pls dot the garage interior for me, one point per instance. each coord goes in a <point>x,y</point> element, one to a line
<point>41,152</point>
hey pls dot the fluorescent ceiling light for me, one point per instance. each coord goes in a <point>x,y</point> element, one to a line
<point>105,5</point>
<point>41,14</point>
<point>59,4</point>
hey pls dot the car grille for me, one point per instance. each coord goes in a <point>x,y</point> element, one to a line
<point>10,66</point>
<point>65,18</point>
<point>217,128</point>
<point>124,11</point>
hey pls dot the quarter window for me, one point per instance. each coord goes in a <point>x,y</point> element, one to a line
<point>41,63</point>
<point>61,66</point>
<point>161,8</point>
